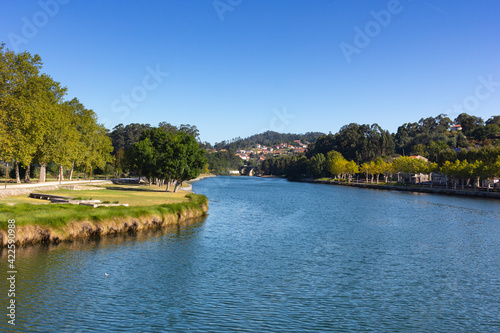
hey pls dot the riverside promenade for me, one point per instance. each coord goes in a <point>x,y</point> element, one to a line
<point>481,193</point>
<point>18,189</point>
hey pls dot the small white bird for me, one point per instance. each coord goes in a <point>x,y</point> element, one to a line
<point>106,274</point>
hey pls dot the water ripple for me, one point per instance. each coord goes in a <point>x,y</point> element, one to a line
<point>277,256</point>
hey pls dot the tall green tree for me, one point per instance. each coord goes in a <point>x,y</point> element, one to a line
<point>336,163</point>
<point>351,169</point>
<point>25,98</point>
<point>469,123</point>
<point>141,157</point>
<point>317,165</point>
<point>61,144</point>
<point>189,159</point>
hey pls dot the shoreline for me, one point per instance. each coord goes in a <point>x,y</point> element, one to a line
<point>272,176</point>
<point>452,192</point>
<point>167,215</point>
<point>189,186</point>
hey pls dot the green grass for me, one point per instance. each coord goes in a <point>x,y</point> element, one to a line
<point>57,216</point>
<point>132,194</point>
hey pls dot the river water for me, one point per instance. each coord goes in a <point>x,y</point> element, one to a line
<point>274,256</point>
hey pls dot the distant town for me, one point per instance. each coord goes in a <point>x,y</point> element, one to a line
<point>260,152</point>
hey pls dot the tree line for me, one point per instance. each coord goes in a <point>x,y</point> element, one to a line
<point>38,125</point>
<point>430,137</point>
<point>467,167</point>
<point>466,154</point>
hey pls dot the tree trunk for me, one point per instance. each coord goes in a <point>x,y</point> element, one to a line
<point>61,176</point>
<point>168,185</point>
<point>43,173</point>
<point>18,178</point>
<point>27,174</point>
<point>177,184</point>
<point>71,171</point>
<point>6,174</point>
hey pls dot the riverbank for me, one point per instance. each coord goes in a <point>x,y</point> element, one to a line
<point>449,191</point>
<point>154,208</point>
<point>189,187</point>
<point>271,176</point>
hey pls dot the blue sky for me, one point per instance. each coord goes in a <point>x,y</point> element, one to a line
<point>239,67</point>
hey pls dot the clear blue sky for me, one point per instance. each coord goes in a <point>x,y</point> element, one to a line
<point>238,67</point>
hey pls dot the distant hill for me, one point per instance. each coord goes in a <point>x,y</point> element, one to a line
<point>268,138</point>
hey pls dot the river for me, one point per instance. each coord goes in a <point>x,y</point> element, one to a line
<point>274,255</point>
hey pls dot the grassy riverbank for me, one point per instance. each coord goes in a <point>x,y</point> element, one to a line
<point>38,221</point>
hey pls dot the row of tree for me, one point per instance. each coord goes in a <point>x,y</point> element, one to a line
<point>477,164</point>
<point>37,125</point>
<point>430,137</point>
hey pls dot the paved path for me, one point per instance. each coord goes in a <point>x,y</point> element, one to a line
<point>32,185</point>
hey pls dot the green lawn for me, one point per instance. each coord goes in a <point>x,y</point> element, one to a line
<point>143,200</point>
<point>132,194</point>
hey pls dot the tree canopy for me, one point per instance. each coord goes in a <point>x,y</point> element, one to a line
<point>166,156</point>
<point>38,125</point>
